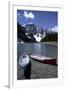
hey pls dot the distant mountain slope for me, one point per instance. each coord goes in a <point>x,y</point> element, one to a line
<point>32,33</point>
<point>21,34</point>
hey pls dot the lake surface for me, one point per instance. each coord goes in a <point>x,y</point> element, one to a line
<point>37,48</point>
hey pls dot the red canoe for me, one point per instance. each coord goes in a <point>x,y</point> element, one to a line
<point>44,59</point>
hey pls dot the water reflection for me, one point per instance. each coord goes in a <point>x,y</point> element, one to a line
<point>37,48</point>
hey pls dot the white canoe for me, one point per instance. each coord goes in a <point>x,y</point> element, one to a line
<point>24,60</point>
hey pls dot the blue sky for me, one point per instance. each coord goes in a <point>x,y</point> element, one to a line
<point>44,19</point>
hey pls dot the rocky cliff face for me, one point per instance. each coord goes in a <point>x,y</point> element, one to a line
<point>21,34</point>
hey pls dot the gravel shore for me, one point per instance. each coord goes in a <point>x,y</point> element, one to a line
<point>39,71</point>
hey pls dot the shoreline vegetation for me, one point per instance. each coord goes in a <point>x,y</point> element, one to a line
<point>50,37</point>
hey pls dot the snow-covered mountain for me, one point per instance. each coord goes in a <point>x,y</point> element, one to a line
<point>31,28</point>
<point>33,33</point>
<point>37,31</point>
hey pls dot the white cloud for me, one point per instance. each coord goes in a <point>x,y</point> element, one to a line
<point>29,15</point>
<point>54,29</point>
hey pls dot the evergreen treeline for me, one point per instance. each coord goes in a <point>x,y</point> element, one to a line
<point>53,36</point>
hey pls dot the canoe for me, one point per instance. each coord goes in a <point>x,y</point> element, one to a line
<point>44,59</point>
<point>24,60</point>
<point>39,57</point>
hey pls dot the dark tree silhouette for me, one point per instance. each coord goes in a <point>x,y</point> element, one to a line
<point>53,36</point>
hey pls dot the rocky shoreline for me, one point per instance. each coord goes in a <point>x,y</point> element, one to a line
<point>39,71</point>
